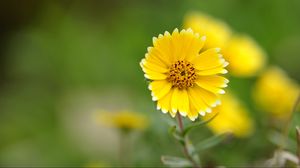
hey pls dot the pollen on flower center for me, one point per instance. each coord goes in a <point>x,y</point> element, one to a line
<point>182,74</point>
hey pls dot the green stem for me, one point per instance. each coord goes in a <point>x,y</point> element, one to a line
<point>123,148</point>
<point>288,123</point>
<point>185,149</point>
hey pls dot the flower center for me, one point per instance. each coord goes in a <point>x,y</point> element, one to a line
<point>182,74</point>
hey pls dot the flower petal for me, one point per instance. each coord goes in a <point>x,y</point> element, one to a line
<point>208,86</point>
<point>165,102</point>
<point>197,101</point>
<point>175,100</point>
<point>147,65</point>
<point>213,71</point>
<point>159,89</point>
<point>162,45</point>
<point>208,97</point>
<point>208,59</point>
<point>195,47</point>
<point>186,44</point>
<point>159,54</point>
<point>193,113</point>
<point>215,80</point>
<point>154,75</point>
<point>183,104</point>
<point>152,58</point>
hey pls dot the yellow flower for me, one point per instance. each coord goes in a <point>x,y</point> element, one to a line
<point>244,55</point>
<point>232,117</point>
<point>182,79</point>
<point>276,93</point>
<point>216,31</point>
<point>124,120</point>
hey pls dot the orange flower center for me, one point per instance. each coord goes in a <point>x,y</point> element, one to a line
<point>182,75</point>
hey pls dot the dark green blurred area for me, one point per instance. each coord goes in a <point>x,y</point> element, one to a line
<point>62,60</point>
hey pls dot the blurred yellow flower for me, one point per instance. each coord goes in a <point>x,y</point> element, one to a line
<point>183,79</point>
<point>246,58</point>
<point>232,117</point>
<point>276,93</point>
<point>124,120</point>
<point>216,31</point>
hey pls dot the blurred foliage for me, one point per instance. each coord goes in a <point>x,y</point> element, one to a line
<point>69,52</point>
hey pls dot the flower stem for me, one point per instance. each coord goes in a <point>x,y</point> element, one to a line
<point>288,123</point>
<point>185,149</point>
<point>124,149</point>
<point>180,123</point>
<point>121,148</point>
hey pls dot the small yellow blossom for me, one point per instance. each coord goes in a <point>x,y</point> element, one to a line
<point>276,93</point>
<point>216,31</point>
<point>232,117</point>
<point>124,120</point>
<point>183,78</point>
<point>246,58</point>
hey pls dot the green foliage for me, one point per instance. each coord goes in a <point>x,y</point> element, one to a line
<point>190,151</point>
<point>172,161</point>
<point>211,142</point>
<point>69,59</point>
<point>196,124</point>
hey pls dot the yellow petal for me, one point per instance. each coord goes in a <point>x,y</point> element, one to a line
<point>154,75</point>
<point>193,113</point>
<point>146,65</point>
<point>195,47</point>
<point>159,54</point>
<point>159,89</point>
<point>208,97</point>
<point>213,71</point>
<point>183,104</point>
<point>176,44</point>
<point>206,85</point>
<point>152,58</point>
<point>186,44</point>
<point>197,101</point>
<point>215,80</point>
<point>165,102</point>
<point>163,45</point>
<point>209,59</point>
<point>183,42</point>
<point>175,100</point>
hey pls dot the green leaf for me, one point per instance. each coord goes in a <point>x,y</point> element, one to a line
<point>176,134</point>
<point>211,142</point>
<point>199,123</point>
<point>172,129</point>
<point>175,161</point>
<point>278,139</point>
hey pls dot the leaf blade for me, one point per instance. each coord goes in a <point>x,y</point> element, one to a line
<point>211,142</point>
<point>190,127</point>
<point>173,161</point>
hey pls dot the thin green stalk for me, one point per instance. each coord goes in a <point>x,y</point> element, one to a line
<point>285,132</point>
<point>185,149</point>
<point>288,123</point>
<point>123,148</point>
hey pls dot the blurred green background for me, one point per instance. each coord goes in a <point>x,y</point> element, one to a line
<point>60,61</point>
